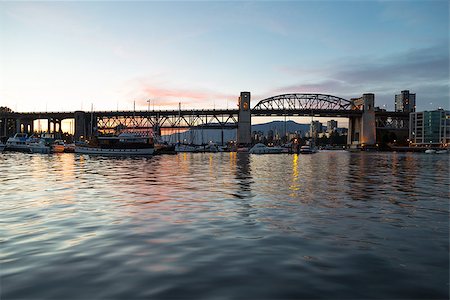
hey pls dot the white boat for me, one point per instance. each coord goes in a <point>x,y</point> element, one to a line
<point>307,149</point>
<point>430,151</point>
<point>124,144</point>
<point>19,142</point>
<point>442,151</point>
<point>242,149</point>
<point>185,148</point>
<point>209,148</point>
<point>263,149</point>
<point>36,145</point>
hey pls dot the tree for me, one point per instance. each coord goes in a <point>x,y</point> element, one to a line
<point>5,109</point>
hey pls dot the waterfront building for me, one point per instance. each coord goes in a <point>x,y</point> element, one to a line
<point>258,136</point>
<point>315,128</point>
<point>293,136</point>
<point>331,126</point>
<point>405,102</point>
<point>270,135</point>
<point>430,128</point>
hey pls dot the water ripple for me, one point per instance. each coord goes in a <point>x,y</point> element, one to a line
<point>225,225</point>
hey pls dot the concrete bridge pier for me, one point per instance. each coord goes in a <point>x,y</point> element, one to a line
<point>54,126</point>
<point>4,127</point>
<point>8,127</point>
<point>50,128</point>
<point>25,126</point>
<point>362,129</point>
<point>80,126</point>
<point>85,125</point>
<point>244,131</point>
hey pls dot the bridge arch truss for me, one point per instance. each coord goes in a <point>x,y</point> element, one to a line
<point>303,102</point>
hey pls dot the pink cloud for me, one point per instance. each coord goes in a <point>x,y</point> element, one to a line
<point>162,96</point>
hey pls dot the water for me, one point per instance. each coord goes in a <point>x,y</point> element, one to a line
<point>225,226</point>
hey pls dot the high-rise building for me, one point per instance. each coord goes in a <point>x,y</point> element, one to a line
<point>331,126</point>
<point>430,128</point>
<point>315,128</point>
<point>405,102</point>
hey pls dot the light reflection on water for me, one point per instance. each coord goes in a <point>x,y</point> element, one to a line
<point>225,225</point>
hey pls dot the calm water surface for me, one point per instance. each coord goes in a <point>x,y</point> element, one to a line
<point>225,226</point>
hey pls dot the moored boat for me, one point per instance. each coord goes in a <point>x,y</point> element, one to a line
<point>19,142</point>
<point>211,147</point>
<point>37,145</point>
<point>123,144</point>
<point>185,148</point>
<point>242,149</point>
<point>263,149</point>
<point>58,146</point>
<point>307,149</point>
<point>430,151</point>
<point>69,148</point>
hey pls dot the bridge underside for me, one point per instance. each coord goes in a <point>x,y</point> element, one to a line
<point>110,122</point>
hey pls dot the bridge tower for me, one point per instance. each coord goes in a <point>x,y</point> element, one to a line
<point>81,126</point>
<point>362,129</point>
<point>244,131</point>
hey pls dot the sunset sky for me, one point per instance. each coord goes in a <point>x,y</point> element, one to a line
<point>61,56</point>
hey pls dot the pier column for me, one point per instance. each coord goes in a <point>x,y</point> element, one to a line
<point>350,132</point>
<point>368,128</point>
<point>362,130</point>
<point>32,126</point>
<point>18,125</point>
<point>244,131</point>
<point>80,125</point>
<point>7,126</point>
<point>58,122</point>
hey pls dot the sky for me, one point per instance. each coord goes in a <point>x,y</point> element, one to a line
<point>65,56</point>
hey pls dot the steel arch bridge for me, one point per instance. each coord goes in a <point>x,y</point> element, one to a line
<point>303,101</point>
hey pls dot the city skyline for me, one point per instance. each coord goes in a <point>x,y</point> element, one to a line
<point>69,56</point>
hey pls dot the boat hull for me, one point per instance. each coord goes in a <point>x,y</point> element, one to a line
<point>109,151</point>
<point>42,150</point>
<point>307,152</point>
<point>266,151</point>
<point>19,148</point>
<point>185,148</point>
<point>57,148</point>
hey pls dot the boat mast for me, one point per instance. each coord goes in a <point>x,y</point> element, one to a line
<point>92,118</point>
<point>179,117</point>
